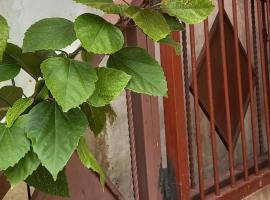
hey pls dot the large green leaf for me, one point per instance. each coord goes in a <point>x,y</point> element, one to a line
<point>30,62</point>
<point>23,169</point>
<point>43,181</point>
<point>70,82</point>
<point>8,96</point>
<point>173,22</point>
<point>171,42</point>
<point>8,68</point>
<point>111,83</point>
<point>104,5</point>
<point>4,34</point>
<point>13,146</point>
<point>17,109</point>
<point>97,35</point>
<point>89,161</point>
<point>51,33</point>
<point>151,22</point>
<point>54,134</point>
<point>189,11</point>
<point>147,74</point>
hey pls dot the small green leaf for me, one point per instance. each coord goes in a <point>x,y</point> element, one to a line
<point>147,74</point>
<point>170,41</point>
<point>151,22</point>
<point>17,109</point>
<point>70,82</point>
<point>173,22</point>
<point>89,161</point>
<point>21,122</point>
<point>96,118</point>
<point>41,91</point>
<point>43,181</point>
<point>23,169</point>
<point>8,96</point>
<point>30,62</point>
<point>9,68</point>
<point>111,83</point>
<point>14,146</point>
<point>4,34</point>
<point>189,11</point>
<point>49,34</point>
<point>97,35</point>
<point>54,134</point>
<point>104,5</point>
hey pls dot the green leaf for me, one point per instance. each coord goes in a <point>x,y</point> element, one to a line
<point>43,181</point>
<point>189,11</point>
<point>97,35</point>
<point>8,68</point>
<point>8,96</point>
<point>14,146</point>
<point>41,91</point>
<point>96,118</point>
<point>89,161</point>
<point>21,122</point>
<point>23,169</point>
<point>87,56</point>
<point>111,83</point>
<point>30,62</point>
<point>173,22</point>
<point>54,134</point>
<point>170,41</point>
<point>17,109</point>
<point>4,34</point>
<point>70,82</point>
<point>50,33</point>
<point>147,74</point>
<point>104,5</point>
<point>151,22</point>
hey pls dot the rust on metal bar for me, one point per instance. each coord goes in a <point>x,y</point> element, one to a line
<point>244,188</point>
<point>175,122</point>
<point>211,108</point>
<point>225,80</point>
<point>239,87</point>
<point>264,78</point>
<point>188,110</point>
<point>251,92</point>
<point>197,111</point>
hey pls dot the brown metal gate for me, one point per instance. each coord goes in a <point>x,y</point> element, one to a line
<point>217,113</point>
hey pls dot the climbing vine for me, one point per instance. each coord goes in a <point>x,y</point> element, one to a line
<point>38,134</point>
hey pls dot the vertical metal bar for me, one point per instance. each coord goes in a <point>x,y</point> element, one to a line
<point>211,107</point>
<point>264,79</point>
<point>132,147</point>
<point>197,111</point>
<point>188,111</point>
<point>239,88</point>
<point>251,92</point>
<point>257,81</point>
<point>175,121</point>
<point>226,93</point>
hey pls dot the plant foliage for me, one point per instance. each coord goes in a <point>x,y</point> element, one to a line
<point>39,133</point>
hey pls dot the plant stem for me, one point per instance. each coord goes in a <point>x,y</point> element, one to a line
<point>75,53</point>
<point>63,52</point>
<point>125,2</point>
